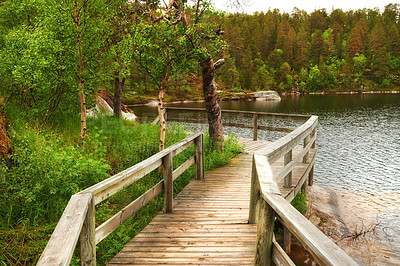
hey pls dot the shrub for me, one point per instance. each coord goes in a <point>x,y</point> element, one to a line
<point>300,202</point>
<point>46,171</point>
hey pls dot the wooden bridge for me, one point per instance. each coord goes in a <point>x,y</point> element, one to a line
<point>223,217</point>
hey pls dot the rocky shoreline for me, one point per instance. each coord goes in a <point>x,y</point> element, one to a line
<point>365,226</point>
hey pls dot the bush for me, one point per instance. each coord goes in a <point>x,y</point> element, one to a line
<point>300,202</point>
<point>46,171</point>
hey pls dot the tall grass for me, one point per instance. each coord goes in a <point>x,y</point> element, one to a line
<point>51,164</point>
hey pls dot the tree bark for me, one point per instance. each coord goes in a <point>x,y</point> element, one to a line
<point>5,143</point>
<point>214,115</point>
<point>119,85</point>
<point>81,81</point>
<point>163,124</point>
<point>83,113</point>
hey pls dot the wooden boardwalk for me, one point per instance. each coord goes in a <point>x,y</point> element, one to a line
<point>209,223</point>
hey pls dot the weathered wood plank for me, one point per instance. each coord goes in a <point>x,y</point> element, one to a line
<point>112,185</point>
<point>279,257</point>
<point>199,157</point>
<point>290,117</point>
<point>114,222</point>
<point>324,251</point>
<point>289,166</point>
<point>279,129</point>
<point>87,237</point>
<point>183,167</point>
<point>265,232</point>
<point>282,146</point>
<point>168,183</point>
<point>255,126</point>
<point>61,246</point>
<point>288,177</point>
<point>203,260</point>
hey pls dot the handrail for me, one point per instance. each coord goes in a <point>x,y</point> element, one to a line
<point>266,202</point>
<point>78,219</point>
<point>280,116</point>
<point>255,115</point>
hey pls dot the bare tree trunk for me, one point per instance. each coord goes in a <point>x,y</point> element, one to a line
<point>5,143</point>
<point>83,113</point>
<point>81,82</point>
<point>233,81</point>
<point>214,116</point>
<point>163,124</point>
<point>119,85</point>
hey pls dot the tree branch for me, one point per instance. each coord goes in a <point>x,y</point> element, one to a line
<point>219,63</point>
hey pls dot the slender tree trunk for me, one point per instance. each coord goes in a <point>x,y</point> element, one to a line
<point>81,82</point>
<point>119,85</point>
<point>5,143</point>
<point>214,116</point>
<point>83,113</point>
<point>163,124</point>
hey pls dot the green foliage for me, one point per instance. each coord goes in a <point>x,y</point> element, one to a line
<point>300,202</point>
<point>40,65</point>
<point>360,64</point>
<point>46,171</point>
<point>48,167</point>
<point>306,40</point>
<point>317,81</point>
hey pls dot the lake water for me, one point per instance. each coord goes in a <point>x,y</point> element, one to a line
<point>358,146</point>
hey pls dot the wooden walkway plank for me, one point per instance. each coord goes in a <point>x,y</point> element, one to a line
<point>209,222</point>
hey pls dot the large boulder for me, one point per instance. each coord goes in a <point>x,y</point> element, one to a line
<point>105,103</point>
<point>267,95</point>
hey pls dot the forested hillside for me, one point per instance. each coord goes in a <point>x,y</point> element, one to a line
<point>351,50</point>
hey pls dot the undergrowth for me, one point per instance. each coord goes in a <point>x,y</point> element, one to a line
<point>49,165</point>
<point>300,202</point>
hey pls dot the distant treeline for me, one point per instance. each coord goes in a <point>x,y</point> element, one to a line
<point>351,50</point>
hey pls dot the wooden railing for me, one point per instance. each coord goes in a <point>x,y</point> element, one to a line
<point>266,202</point>
<point>78,219</point>
<point>255,115</point>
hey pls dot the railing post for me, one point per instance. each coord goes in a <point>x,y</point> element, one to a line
<point>305,143</point>
<point>265,232</point>
<point>311,177</point>
<point>255,126</point>
<point>254,194</point>
<point>288,177</point>
<point>87,238</point>
<point>287,239</point>
<point>311,174</point>
<point>199,157</point>
<point>168,183</point>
